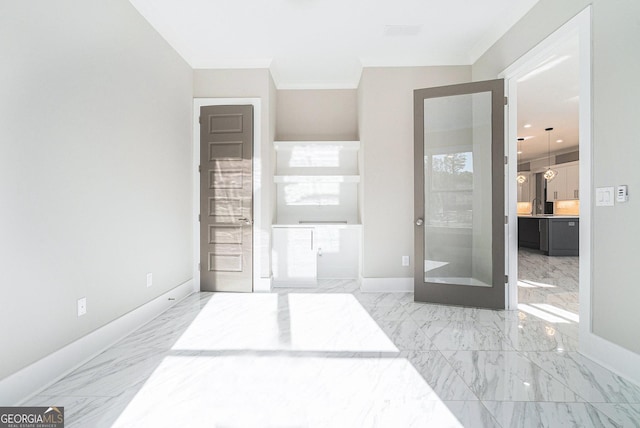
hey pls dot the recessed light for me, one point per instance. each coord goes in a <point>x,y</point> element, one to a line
<point>559,141</point>
<point>519,152</point>
<point>528,125</point>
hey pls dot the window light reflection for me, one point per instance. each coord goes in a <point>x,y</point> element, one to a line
<point>310,156</point>
<point>557,311</point>
<point>546,316</point>
<point>320,194</point>
<point>525,283</point>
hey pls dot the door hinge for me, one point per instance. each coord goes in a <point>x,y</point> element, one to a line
<point>506,219</point>
<point>198,217</point>
<point>506,160</point>
<point>506,100</point>
<point>199,168</point>
<point>198,267</point>
<point>200,120</point>
<point>506,279</point>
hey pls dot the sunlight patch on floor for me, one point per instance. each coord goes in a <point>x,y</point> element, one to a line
<point>247,391</point>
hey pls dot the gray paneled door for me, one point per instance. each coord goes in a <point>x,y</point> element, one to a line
<point>459,195</point>
<point>226,198</point>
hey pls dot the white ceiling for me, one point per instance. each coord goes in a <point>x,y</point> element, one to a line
<point>325,43</point>
<point>548,98</point>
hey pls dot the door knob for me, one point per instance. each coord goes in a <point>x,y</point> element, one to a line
<point>245,220</point>
<point>419,222</point>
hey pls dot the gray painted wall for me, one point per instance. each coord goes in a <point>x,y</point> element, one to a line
<point>95,170</point>
<point>327,114</point>
<point>385,109</point>
<point>616,67</point>
<point>249,83</point>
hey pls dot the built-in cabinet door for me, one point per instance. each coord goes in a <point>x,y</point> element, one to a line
<point>338,250</point>
<point>294,260</point>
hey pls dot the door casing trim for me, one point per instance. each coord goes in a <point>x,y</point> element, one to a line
<point>608,354</point>
<point>258,283</point>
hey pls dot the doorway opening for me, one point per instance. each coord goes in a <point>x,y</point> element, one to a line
<point>549,133</point>
<point>548,204</point>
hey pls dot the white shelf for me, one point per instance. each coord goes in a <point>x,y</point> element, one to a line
<point>341,145</point>
<point>332,224</point>
<point>316,179</point>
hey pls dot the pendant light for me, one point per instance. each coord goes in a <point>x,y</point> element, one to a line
<point>549,174</point>
<point>521,178</point>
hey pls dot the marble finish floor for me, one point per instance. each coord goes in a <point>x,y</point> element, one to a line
<point>336,357</point>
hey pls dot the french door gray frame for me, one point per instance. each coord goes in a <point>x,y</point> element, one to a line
<point>453,294</point>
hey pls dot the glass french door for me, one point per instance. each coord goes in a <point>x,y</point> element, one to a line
<point>459,195</point>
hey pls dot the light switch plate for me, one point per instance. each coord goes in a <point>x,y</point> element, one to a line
<point>149,279</point>
<point>405,260</point>
<point>605,196</point>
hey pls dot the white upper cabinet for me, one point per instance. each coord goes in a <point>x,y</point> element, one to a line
<point>573,182</point>
<point>524,189</point>
<point>557,188</point>
<point>566,185</point>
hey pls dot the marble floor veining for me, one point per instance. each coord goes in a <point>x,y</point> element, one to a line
<point>333,356</point>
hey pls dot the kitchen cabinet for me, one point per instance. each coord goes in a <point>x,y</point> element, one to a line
<point>566,185</point>
<point>529,232</point>
<point>573,182</point>
<point>563,237</point>
<point>554,236</point>
<point>557,188</point>
<point>524,189</point>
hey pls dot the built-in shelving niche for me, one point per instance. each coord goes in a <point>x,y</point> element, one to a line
<point>317,230</point>
<point>317,182</point>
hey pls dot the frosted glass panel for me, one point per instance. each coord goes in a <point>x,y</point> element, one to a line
<point>458,194</point>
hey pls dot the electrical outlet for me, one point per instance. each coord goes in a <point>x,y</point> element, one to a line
<point>82,306</point>
<point>149,279</point>
<point>405,260</point>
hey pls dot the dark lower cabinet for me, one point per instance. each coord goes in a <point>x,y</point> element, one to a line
<point>563,236</point>
<point>544,235</point>
<point>528,233</point>
<point>553,236</point>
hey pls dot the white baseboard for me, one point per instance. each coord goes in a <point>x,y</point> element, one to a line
<point>614,357</point>
<point>24,384</point>
<point>262,285</point>
<point>386,285</point>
